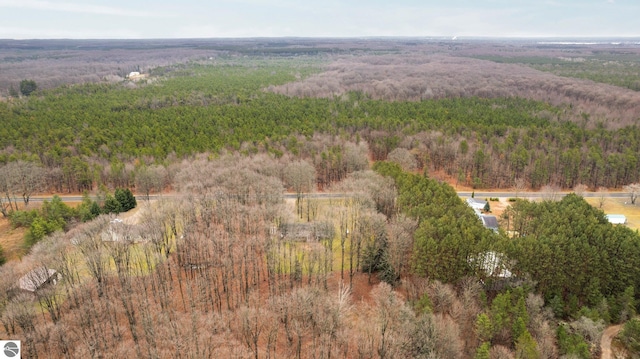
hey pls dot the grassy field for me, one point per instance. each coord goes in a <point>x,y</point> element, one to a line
<point>618,206</point>
<point>11,240</point>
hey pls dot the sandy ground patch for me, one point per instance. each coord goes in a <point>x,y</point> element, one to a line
<point>605,342</point>
<point>136,215</point>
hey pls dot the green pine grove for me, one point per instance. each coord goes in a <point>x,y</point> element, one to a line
<point>194,108</point>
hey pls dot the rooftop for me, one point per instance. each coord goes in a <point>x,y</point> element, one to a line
<point>36,278</point>
<point>616,218</point>
<point>489,221</point>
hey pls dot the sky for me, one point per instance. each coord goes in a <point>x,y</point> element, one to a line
<point>142,19</point>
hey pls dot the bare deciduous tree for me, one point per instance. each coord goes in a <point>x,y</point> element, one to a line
<point>20,313</point>
<point>356,156</point>
<point>590,330</point>
<point>519,185</point>
<point>633,191</point>
<point>404,158</point>
<point>550,193</point>
<point>390,314</point>
<point>27,178</point>
<point>151,179</point>
<point>501,352</point>
<point>91,246</point>
<point>19,179</point>
<point>541,329</point>
<point>401,243</point>
<point>369,190</point>
<point>8,201</point>
<point>580,189</point>
<point>54,179</point>
<point>602,196</point>
<point>252,322</point>
<point>300,176</point>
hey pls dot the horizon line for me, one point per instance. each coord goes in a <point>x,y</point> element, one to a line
<point>372,37</point>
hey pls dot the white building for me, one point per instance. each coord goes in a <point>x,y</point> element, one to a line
<point>616,218</point>
<point>476,203</point>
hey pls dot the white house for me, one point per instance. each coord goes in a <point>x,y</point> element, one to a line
<point>616,218</point>
<point>476,203</point>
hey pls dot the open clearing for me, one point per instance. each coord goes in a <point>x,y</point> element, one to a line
<point>11,240</point>
<point>620,206</point>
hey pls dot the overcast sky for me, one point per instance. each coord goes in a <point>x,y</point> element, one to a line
<point>28,19</point>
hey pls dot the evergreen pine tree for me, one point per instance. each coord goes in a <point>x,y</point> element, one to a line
<point>131,199</point>
<point>111,205</point>
<point>3,259</point>
<point>126,199</point>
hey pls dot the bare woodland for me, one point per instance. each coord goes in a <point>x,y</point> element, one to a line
<point>417,77</point>
<point>229,269</point>
<point>210,275</point>
<point>399,71</point>
<point>53,64</point>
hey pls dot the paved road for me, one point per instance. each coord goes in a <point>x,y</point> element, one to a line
<point>48,198</point>
<point>540,194</point>
<point>76,198</point>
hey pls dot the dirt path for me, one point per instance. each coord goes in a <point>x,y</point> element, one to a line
<point>134,216</point>
<point>605,342</point>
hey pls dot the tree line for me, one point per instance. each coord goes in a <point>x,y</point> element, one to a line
<point>93,134</point>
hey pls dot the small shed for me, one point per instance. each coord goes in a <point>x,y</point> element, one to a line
<point>476,203</point>
<point>616,218</point>
<point>38,278</point>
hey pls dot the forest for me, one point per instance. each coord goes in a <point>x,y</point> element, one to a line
<point>303,199</point>
<point>93,134</point>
